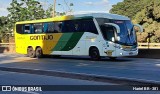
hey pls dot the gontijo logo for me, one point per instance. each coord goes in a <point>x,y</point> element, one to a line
<point>41,37</point>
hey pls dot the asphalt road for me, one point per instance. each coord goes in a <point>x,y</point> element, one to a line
<point>12,78</point>
<point>130,68</point>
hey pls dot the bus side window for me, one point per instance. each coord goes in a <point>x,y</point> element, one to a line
<point>86,26</point>
<point>27,29</point>
<point>19,28</point>
<point>51,27</point>
<point>45,27</point>
<point>58,27</point>
<point>38,28</point>
<point>68,26</point>
<point>78,26</point>
<point>90,26</point>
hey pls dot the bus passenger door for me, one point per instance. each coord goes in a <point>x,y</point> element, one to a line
<point>109,35</point>
<point>78,44</point>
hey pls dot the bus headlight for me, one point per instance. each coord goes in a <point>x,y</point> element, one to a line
<point>121,53</point>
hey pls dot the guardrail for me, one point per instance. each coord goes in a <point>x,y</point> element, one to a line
<point>7,47</point>
<point>7,44</point>
<point>149,45</point>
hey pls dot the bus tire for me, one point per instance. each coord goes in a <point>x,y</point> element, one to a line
<point>94,54</point>
<point>31,53</point>
<point>39,52</point>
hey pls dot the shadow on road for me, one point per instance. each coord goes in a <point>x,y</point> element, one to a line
<point>126,59</point>
<point>122,67</point>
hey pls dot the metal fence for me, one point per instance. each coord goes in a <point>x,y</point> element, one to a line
<point>149,45</point>
<point>7,47</point>
<point>7,44</point>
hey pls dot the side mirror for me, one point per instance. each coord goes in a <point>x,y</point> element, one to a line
<point>118,38</point>
<point>114,25</point>
<point>140,27</point>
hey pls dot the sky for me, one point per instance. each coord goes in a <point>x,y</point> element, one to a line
<point>80,6</point>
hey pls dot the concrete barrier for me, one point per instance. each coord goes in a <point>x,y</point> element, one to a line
<point>7,48</point>
<point>149,53</point>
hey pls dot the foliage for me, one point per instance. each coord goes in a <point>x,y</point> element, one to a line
<point>3,23</point>
<point>23,10</point>
<point>145,13</point>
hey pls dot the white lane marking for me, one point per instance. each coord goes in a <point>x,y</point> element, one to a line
<point>158,65</point>
<point>5,73</point>
<point>82,64</point>
<point>2,55</point>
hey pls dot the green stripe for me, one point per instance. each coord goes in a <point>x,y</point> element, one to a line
<point>73,41</point>
<point>62,41</point>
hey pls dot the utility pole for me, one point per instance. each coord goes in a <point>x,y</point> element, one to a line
<point>54,8</point>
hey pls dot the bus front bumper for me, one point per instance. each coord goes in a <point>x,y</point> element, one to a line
<point>127,53</point>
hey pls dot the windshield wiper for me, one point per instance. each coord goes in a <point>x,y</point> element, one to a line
<point>129,36</point>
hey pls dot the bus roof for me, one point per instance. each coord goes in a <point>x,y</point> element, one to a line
<point>104,15</point>
<point>78,16</point>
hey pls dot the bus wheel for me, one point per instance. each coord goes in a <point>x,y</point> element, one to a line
<point>39,53</point>
<point>94,54</point>
<point>31,52</point>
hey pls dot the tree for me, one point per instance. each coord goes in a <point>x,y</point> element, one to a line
<point>129,7</point>
<point>20,11</point>
<point>149,17</point>
<point>24,10</point>
<point>143,12</point>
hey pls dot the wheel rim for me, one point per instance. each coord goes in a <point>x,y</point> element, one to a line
<point>39,53</point>
<point>94,54</point>
<point>30,52</point>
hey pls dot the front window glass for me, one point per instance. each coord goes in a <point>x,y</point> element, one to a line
<point>127,34</point>
<point>107,31</point>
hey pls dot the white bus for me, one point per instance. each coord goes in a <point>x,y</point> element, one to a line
<point>95,35</point>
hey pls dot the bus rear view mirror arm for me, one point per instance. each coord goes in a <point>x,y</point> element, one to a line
<point>114,25</point>
<point>140,27</point>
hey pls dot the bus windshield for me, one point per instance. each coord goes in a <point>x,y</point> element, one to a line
<point>127,34</point>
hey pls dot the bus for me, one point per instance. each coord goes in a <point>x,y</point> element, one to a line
<point>95,34</point>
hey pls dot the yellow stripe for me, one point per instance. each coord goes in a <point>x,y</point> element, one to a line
<point>23,41</point>
<point>49,45</point>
